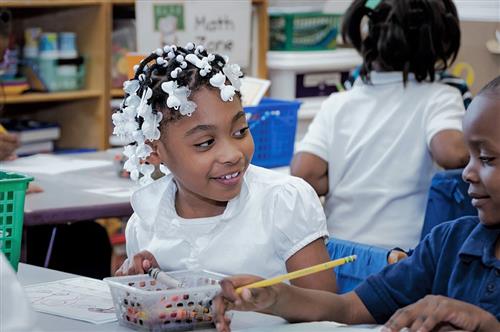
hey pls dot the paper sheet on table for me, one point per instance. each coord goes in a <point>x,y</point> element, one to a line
<point>253,89</point>
<point>113,192</point>
<point>50,164</point>
<point>78,298</point>
<point>313,326</point>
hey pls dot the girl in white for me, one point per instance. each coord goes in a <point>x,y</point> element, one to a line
<point>213,210</point>
<point>373,150</point>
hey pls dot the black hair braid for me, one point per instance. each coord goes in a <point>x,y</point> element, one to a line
<point>412,36</point>
<point>155,74</point>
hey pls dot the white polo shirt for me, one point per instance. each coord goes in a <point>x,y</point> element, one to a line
<point>274,216</point>
<point>375,138</point>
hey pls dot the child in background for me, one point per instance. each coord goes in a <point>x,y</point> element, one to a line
<point>8,144</point>
<point>16,313</point>
<point>452,278</point>
<point>213,210</point>
<point>373,150</point>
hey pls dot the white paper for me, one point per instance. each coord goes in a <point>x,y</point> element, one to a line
<point>78,298</point>
<point>313,326</point>
<point>113,192</point>
<point>252,90</point>
<point>50,164</point>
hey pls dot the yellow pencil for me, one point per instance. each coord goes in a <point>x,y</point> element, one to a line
<point>299,273</point>
<point>2,129</point>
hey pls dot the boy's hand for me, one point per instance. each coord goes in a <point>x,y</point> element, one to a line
<point>255,299</point>
<point>434,311</point>
<point>395,256</point>
<point>139,264</point>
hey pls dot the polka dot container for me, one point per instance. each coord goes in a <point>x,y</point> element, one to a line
<point>143,303</point>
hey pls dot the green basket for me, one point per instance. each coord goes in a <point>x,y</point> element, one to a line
<point>303,31</point>
<point>12,192</point>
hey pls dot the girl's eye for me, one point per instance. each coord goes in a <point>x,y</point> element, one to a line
<point>241,132</point>
<point>205,144</point>
<point>486,160</point>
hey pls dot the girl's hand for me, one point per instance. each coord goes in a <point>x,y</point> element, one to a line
<point>33,189</point>
<point>255,299</point>
<point>8,144</point>
<point>434,311</point>
<point>140,264</point>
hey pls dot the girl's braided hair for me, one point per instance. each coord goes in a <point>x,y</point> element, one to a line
<point>411,36</point>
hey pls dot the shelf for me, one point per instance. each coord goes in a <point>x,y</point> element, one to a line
<point>132,2</point>
<point>50,96</point>
<point>116,93</point>
<point>123,2</point>
<point>48,3</point>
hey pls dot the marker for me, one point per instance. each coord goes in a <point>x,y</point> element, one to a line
<point>164,278</point>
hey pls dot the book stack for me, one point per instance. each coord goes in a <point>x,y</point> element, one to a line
<point>34,136</point>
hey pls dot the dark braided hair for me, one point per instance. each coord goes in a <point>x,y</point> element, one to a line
<point>154,74</point>
<point>411,36</point>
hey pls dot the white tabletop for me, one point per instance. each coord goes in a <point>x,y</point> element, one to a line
<point>29,274</point>
<point>241,321</point>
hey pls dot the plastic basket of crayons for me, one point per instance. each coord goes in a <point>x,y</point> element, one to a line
<point>12,192</point>
<point>273,124</point>
<point>303,31</point>
<point>142,302</point>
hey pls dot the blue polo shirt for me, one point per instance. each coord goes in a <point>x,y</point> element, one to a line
<point>457,260</point>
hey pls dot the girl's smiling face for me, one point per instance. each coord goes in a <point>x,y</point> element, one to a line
<point>208,152</point>
<point>482,133</point>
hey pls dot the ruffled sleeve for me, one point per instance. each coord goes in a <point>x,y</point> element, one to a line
<point>298,217</point>
<point>131,236</point>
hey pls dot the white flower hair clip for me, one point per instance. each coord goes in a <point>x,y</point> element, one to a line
<point>136,121</point>
<point>178,98</point>
<point>226,91</point>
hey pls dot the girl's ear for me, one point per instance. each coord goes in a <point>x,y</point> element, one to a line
<point>154,158</point>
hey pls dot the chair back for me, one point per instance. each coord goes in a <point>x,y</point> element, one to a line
<point>370,260</point>
<point>448,200</point>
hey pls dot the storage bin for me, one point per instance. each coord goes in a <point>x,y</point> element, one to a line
<point>303,31</point>
<point>62,74</point>
<point>142,302</point>
<point>12,192</point>
<point>272,124</point>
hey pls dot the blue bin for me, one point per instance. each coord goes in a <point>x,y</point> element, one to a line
<point>273,124</point>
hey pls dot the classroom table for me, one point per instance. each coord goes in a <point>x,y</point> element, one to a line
<point>66,197</point>
<point>30,274</point>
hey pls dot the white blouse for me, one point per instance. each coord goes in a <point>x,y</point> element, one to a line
<point>274,216</point>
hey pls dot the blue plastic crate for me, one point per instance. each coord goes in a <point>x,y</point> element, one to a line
<point>273,124</point>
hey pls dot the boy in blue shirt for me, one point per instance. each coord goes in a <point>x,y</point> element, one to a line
<point>452,280</point>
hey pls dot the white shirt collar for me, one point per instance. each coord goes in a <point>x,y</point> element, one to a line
<point>382,78</point>
<point>158,197</point>
<point>389,77</point>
